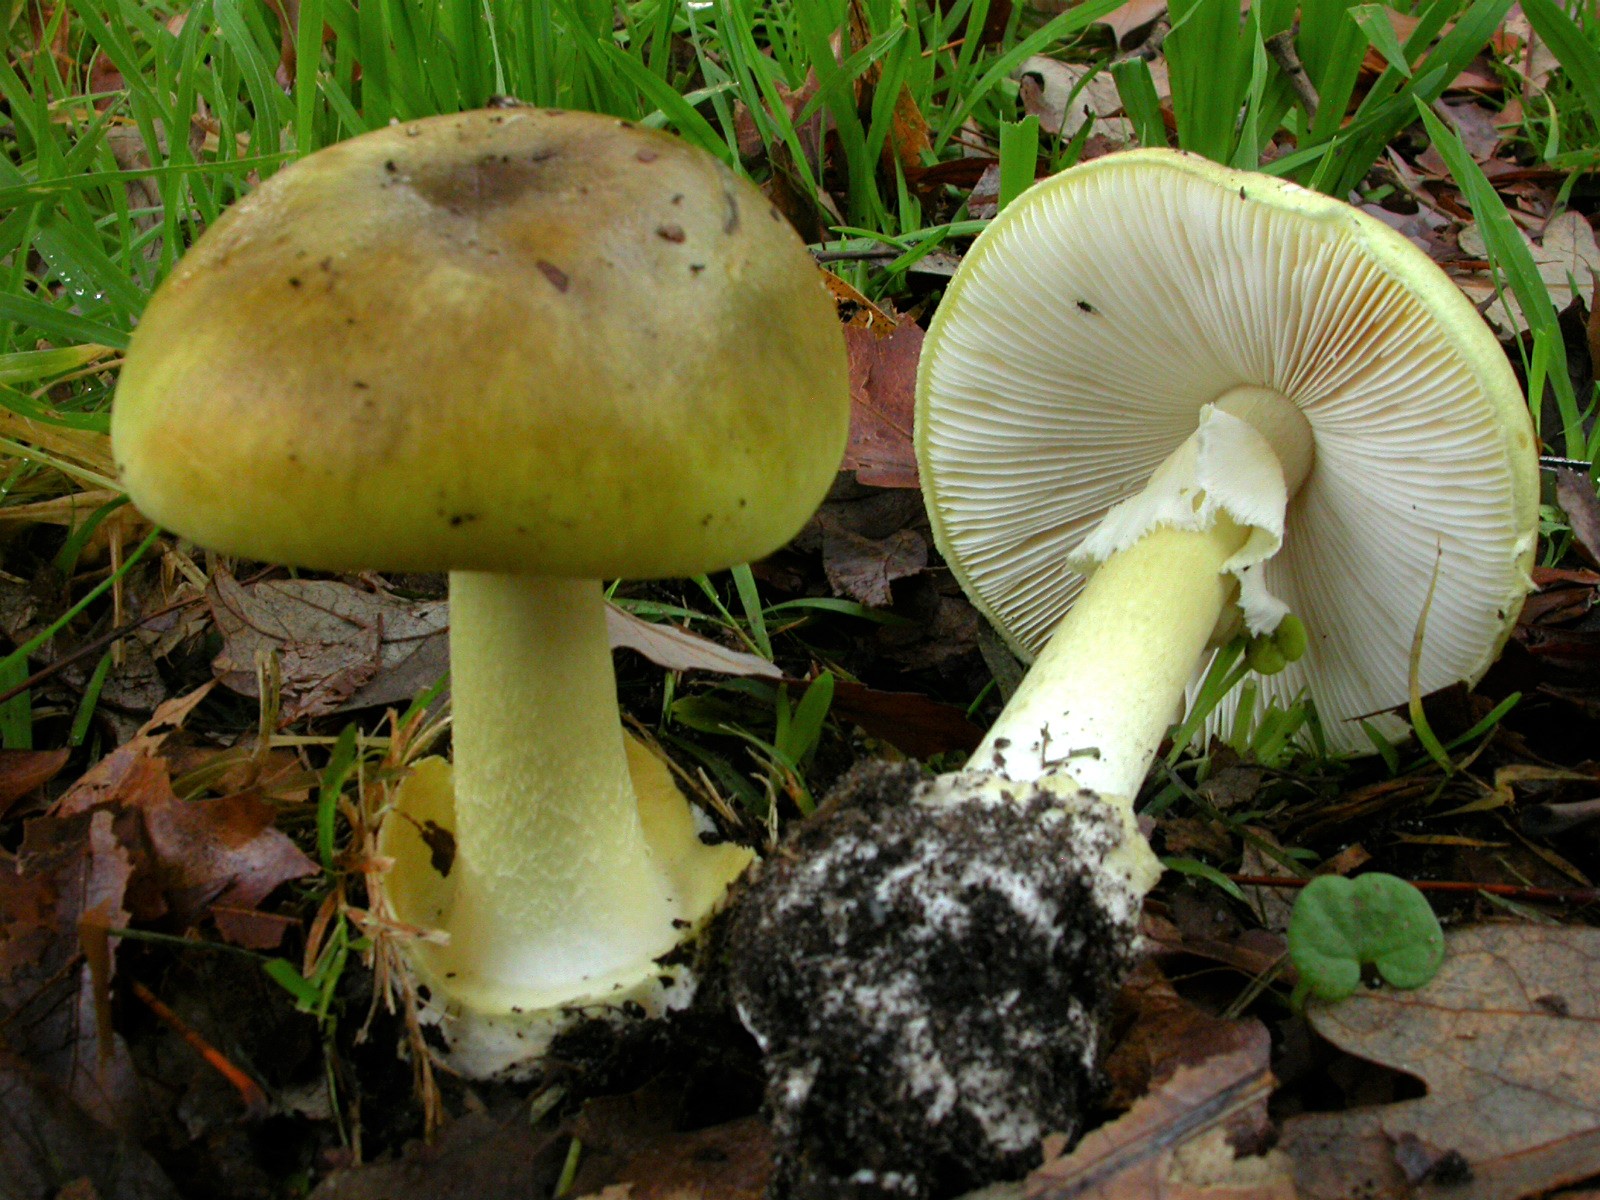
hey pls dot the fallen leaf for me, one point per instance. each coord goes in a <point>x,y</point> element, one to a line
<point>725,1162</point>
<point>1271,905</point>
<point>24,771</point>
<point>186,854</point>
<point>1524,52</point>
<point>1476,126</point>
<point>634,1148</point>
<point>70,868</point>
<point>1056,93</point>
<point>679,650</point>
<point>482,1156</point>
<point>1576,495</point>
<point>1567,259</point>
<point>340,647</point>
<point>908,130</point>
<point>1201,1134</point>
<point>862,568</point>
<point>1159,1032</point>
<point>855,310</point>
<point>916,724</point>
<point>1131,17</point>
<point>883,390</point>
<point>227,851</point>
<point>107,779</point>
<point>45,1138</point>
<point>1507,1040</point>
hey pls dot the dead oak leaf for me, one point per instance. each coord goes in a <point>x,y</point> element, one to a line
<point>23,771</point>
<point>186,854</point>
<point>883,391</point>
<point>1131,17</point>
<point>226,851</point>
<point>1506,1039</point>
<point>1567,258</point>
<point>339,647</point>
<point>917,724</point>
<point>862,568</point>
<point>1577,498</point>
<point>1197,1135</point>
<point>482,1156</point>
<point>126,765</point>
<point>45,1138</point>
<point>1158,1031</point>
<point>725,1162</point>
<point>72,871</point>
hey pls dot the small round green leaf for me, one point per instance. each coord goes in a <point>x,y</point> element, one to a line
<point>1339,925</point>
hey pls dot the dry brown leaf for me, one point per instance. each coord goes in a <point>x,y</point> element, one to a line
<point>106,780</point>
<point>22,771</point>
<point>482,1156</point>
<point>186,854</point>
<point>1524,52</point>
<point>679,650</point>
<point>724,1162</point>
<point>856,310</point>
<point>1575,493</point>
<point>1567,258</point>
<point>340,647</point>
<point>1048,94</point>
<point>1159,1031</point>
<point>1132,16</point>
<point>633,1148</point>
<point>226,851</point>
<point>1507,1040</point>
<point>862,568</point>
<point>70,867</point>
<point>883,391</point>
<point>1198,1135</point>
<point>916,724</point>
<point>45,1138</point>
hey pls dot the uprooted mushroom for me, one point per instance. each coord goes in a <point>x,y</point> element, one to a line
<point>1161,401</point>
<point>537,350</point>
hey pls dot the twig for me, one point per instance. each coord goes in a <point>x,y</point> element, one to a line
<point>90,648</point>
<point>255,1100</point>
<point>1281,47</point>
<point>1510,891</point>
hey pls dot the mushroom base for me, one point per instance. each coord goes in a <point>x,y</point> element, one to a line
<point>486,1038</point>
<point>927,968</point>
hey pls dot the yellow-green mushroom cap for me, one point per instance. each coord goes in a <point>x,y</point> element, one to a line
<point>507,340</point>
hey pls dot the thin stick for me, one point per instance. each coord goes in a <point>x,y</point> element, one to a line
<point>1508,890</point>
<point>255,1100</point>
<point>1281,47</point>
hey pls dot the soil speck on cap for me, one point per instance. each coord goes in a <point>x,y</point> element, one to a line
<point>1085,306</point>
<point>927,966</point>
<point>557,277</point>
<point>670,233</point>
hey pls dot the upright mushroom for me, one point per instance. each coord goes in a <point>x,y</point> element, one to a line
<point>1228,399</point>
<point>536,349</point>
